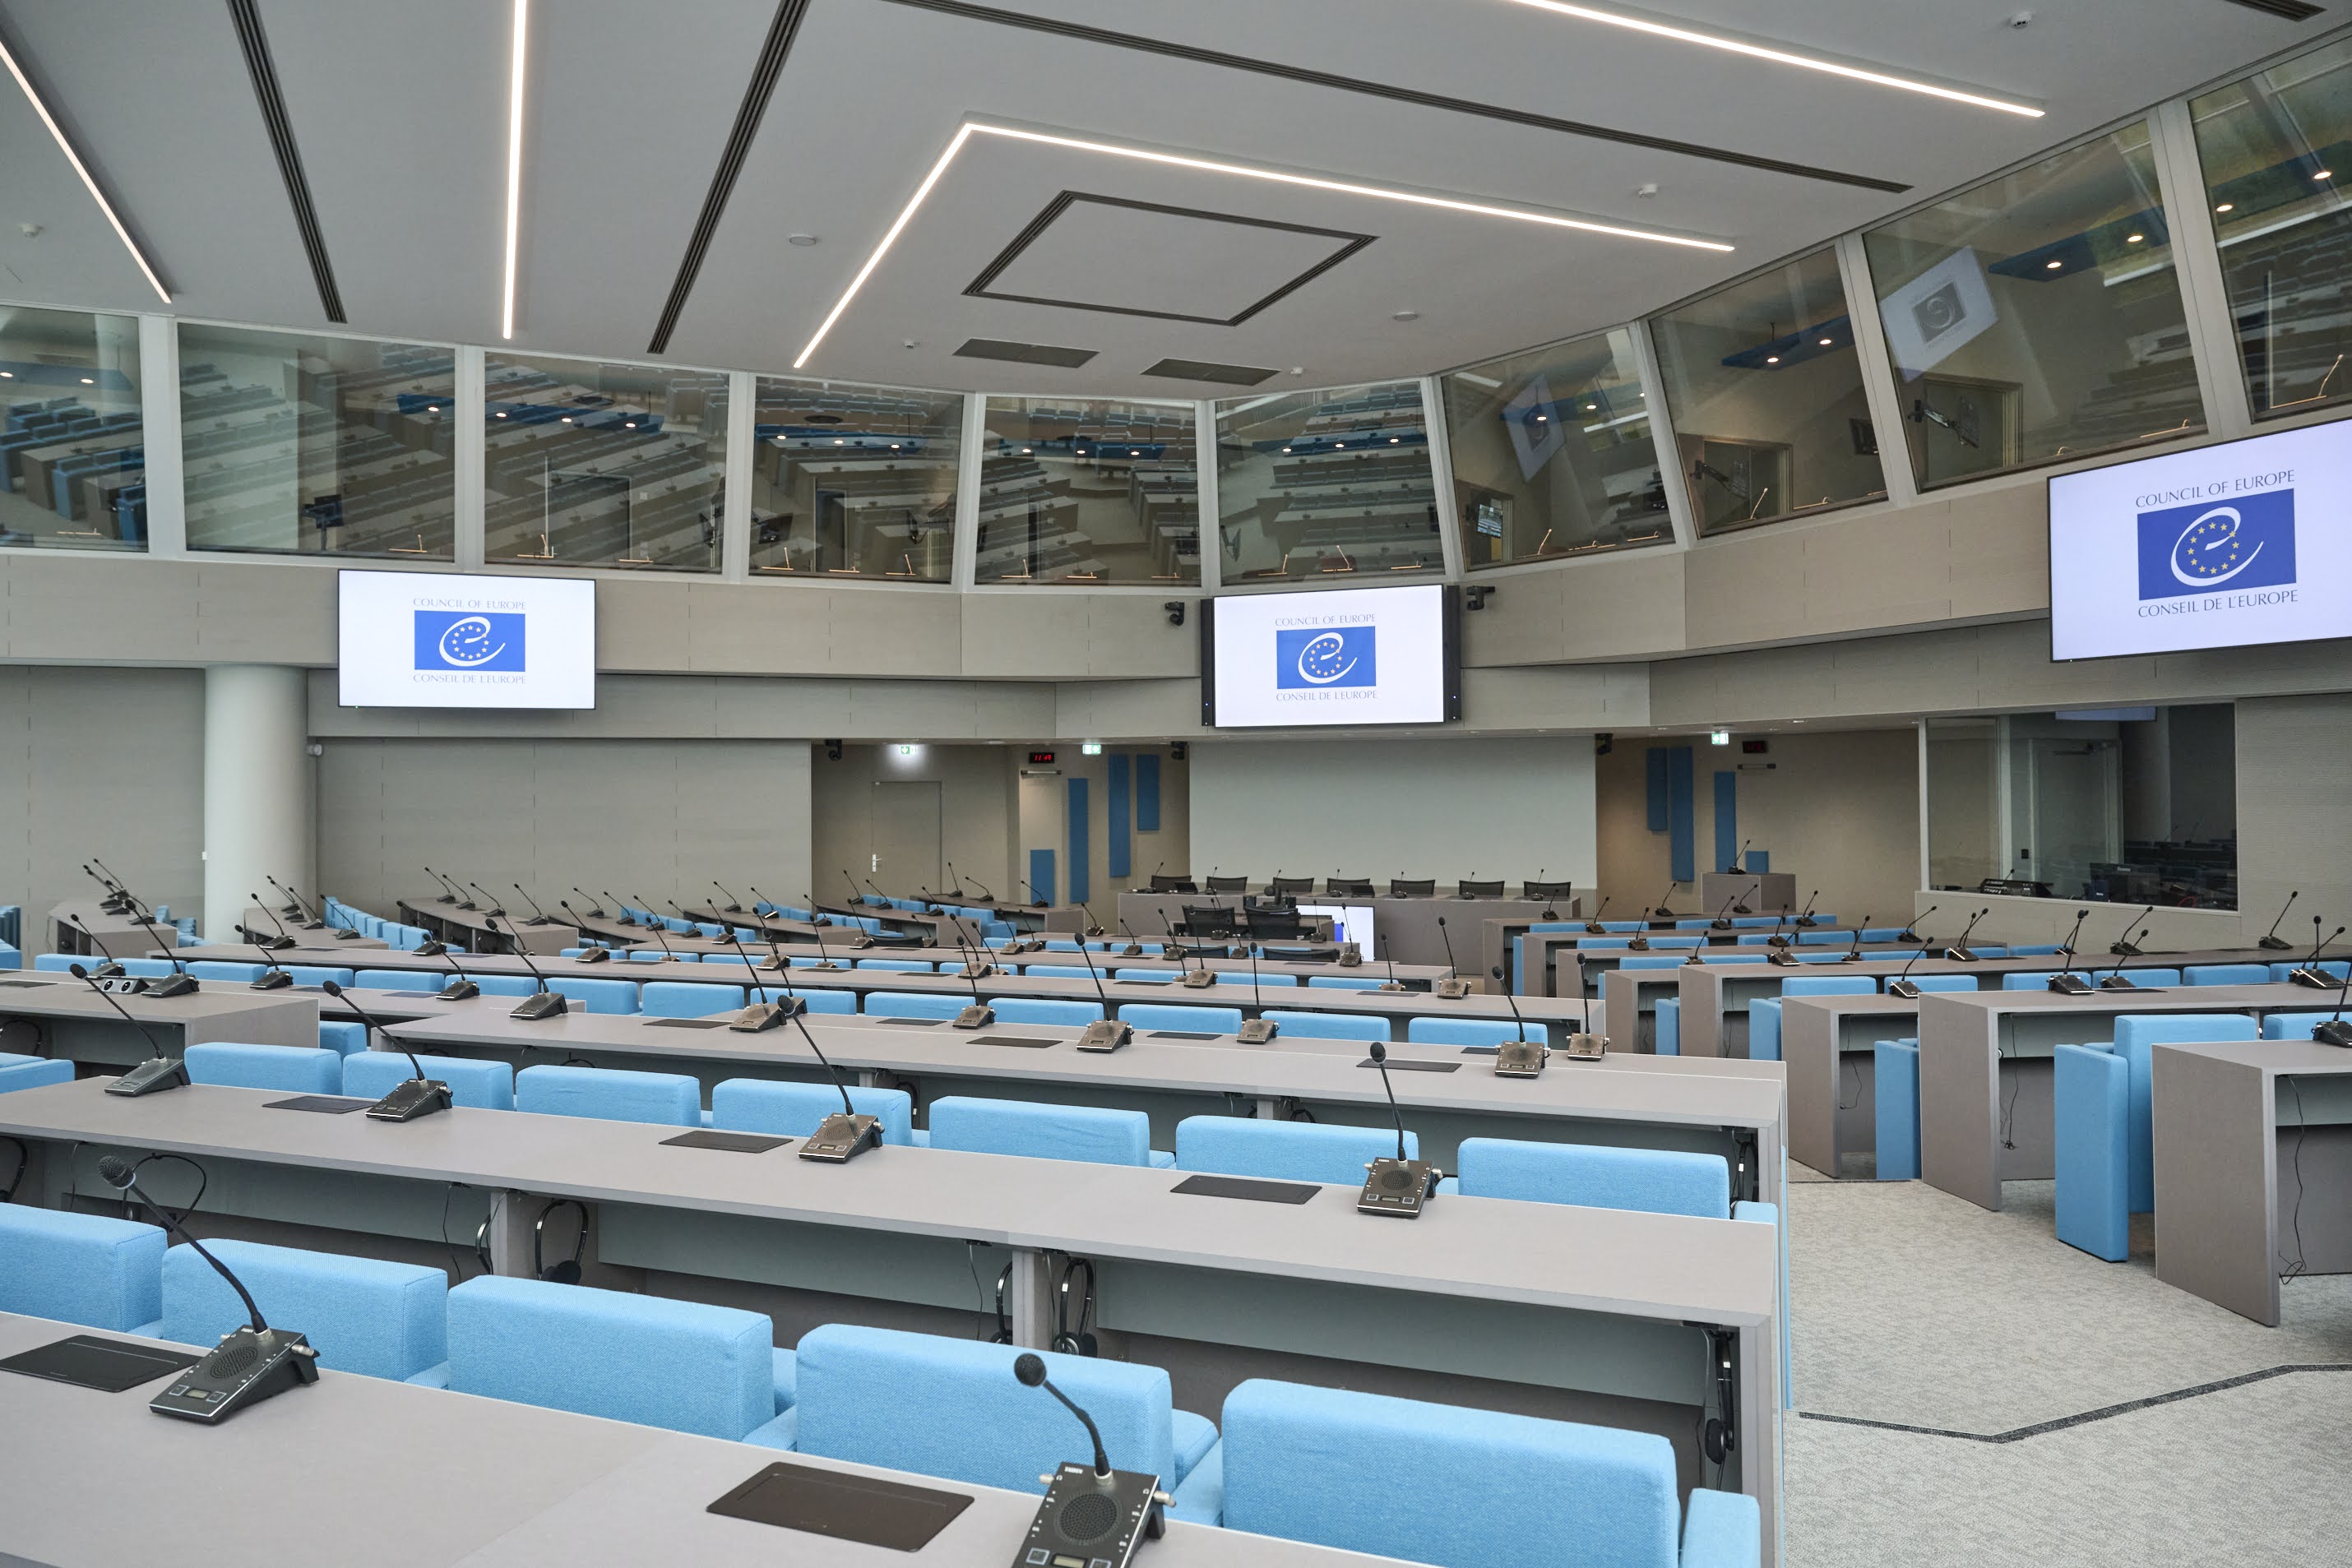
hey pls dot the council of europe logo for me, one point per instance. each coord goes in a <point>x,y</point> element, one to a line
<point>1307,659</point>
<point>2246,543</point>
<point>463,640</point>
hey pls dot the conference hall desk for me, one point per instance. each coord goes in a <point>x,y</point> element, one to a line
<point>1984,1070</point>
<point>1730,1109</point>
<point>80,925</point>
<point>270,922</point>
<point>471,928</point>
<point>1581,1313</point>
<point>80,1026</point>
<point>1415,977</point>
<point>1538,959</point>
<point>1406,928</point>
<point>2253,1168</point>
<point>1057,919</point>
<point>1715,996</point>
<point>1828,1046</point>
<point>448,1481</point>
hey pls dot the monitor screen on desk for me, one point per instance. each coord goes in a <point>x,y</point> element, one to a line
<point>408,638</point>
<point>1348,657</point>
<point>1349,923</point>
<point>2223,546</point>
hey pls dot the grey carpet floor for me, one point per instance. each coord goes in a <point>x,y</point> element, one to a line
<point>1913,1307</point>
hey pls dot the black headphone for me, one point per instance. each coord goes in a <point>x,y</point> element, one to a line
<point>1075,1337</point>
<point>567,1270</point>
<point>23,1159</point>
<point>1003,1334</point>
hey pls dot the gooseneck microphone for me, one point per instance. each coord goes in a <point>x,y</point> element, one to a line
<point>2124,946</point>
<point>276,976</point>
<point>1593,926</point>
<point>1261,1029</point>
<point>1959,951</point>
<point>1902,985</point>
<point>661,935</point>
<point>459,988</point>
<point>538,916</point>
<point>1805,916</point>
<point>2308,972</point>
<point>1734,867</point>
<point>597,913</point>
<point>1722,921</point>
<point>284,939</point>
<point>846,1135</point>
<point>1037,900</point>
<point>761,1015</point>
<point>107,968</point>
<point>1030,1369</point>
<point>1088,1514</point>
<point>1521,1057</point>
<point>250,1364</point>
<point>623,917</point>
<point>420,1095</point>
<point>593,952</point>
<point>542,1003</point>
<point>1400,1186</point>
<point>1094,926</point>
<point>817,928</point>
<point>1584,1045</point>
<point>1191,979</point>
<point>294,905</point>
<point>733,906</point>
<point>2271,941</point>
<point>980,1015</point>
<point>449,893</point>
<point>985,896</point>
<point>2066,981</point>
<point>495,906</point>
<point>1108,1032</point>
<point>1910,931</point>
<point>2336,1031</point>
<point>1455,988</point>
<point>1854,954</point>
<point>152,1076</point>
<point>1660,912</point>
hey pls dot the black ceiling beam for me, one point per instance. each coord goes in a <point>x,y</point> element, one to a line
<point>246,18</point>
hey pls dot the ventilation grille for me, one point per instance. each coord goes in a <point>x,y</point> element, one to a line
<point>2292,10</point>
<point>247,20</point>
<point>1204,370</point>
<point>1025,353</point>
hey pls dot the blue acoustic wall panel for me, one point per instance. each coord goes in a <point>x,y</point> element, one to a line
<point>1040,873</point>
<point>1655,761</point>
<point>1115,808</point>
<point>1079,891</point>
<point>1146,792</point>
<point>1681,851</point>
<point>1727,819</point>
<point>1757,862</point>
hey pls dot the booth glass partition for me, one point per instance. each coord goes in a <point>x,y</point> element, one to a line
<point>587,464</point>
<point>295,442</point>
<point>2036,318</point>
<point>76,455</point>
<point>852,481</point>
<point>1322,484</point>
<point>2278,155</point>
<point>1552,454</point>
<point>1765,387</point>
<point>1089,490</point>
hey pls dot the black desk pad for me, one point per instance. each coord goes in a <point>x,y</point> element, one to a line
<point>727,1142</point>
<point>415,996</point>
<point>1180,1034</point>
<point>1398,1065</point>
<point>913,1023</point>
<point>325,1105</point>
<point>688,1023</point>
<point>1245,1187</point>
<point>109,1365</point>
<point>863,1509</point>
<point>1027,1041</point>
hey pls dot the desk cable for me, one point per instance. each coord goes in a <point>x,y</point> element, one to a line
<point>203,1181</point>
<point>2009,1105</point>
<point>2295,1220</point>
<point>23,1159</point>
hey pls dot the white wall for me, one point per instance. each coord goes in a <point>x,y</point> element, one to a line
<point>975,812</point>
<point>2295,811</point>
<point>656,819</point>
<point>1442,809</point>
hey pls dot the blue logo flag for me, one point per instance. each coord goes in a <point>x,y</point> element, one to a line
<point>2248,542</point>
<point>1308,660</point>
<point>462,640</point>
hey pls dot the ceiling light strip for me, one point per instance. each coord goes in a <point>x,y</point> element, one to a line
<point>89,182</point>
<point>514,165</point>
<point>1783,57</point>
<point>970,129</point>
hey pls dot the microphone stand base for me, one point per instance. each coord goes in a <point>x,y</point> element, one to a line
<point>407,1101</point>
<point>175,984</point>
<point>761,1017</point>
<point>151,1077</point>
<point>2317,980</point>
<point>459,992</point>
<point>1401,1188</point>
<point>2117,983</point>
<point>1259,1032</point>
<point>1959,956</point>
<point>2123,950</point>
<point>1199,979</point>
<point>1907,989</point>
<point>1785,958</point>
<point>2333,1032</point>
<point>1105,1035</point>
<point>245,1368</point>
<point>1520,1058</point>
<point>1451,990</point>
<point>2069,985</point>
<point>2275,945</point>
<point>1585,1047</point>
<point>272,980</point>
<point>842,1137</point>
<point>594,956</point>
<point>539,1007</point>
<point>980,1015</point>
<point>1392,987</point>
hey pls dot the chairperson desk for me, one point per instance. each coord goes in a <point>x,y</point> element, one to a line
<point>108,935</point>
<point>1589,1309</point>
<point>1718,1108</point>
<point>471,929</point>
<point>2253,1168</point>
<point>1407,927</point>
<point>1828,1044</point>
<point>497,1484</point>
<point>82,1026</point>
<point>1985,1070</point>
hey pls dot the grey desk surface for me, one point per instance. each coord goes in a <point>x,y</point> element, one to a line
<point>118,935</point>
<point>257,1017</point>
<point>1662,1267</point>
<point>503,1486</point>
<point>508,929</point>
<point>1815,1032</point>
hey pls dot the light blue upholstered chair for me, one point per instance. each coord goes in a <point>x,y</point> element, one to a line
<point>1285,1151</point>
<point>85,1269</point>
<point>787,1110</point>
<point>32,1072</point>
<point>1040,1009</point>
<point>297,1069</point>
<point>2103,1125</point>
<point>914,1004</point>
<point>362,1315</point>
<point>1182,1019</point>
<point>1330,1026</point>
<point>1044,1131</point>
<point>482,1086</point>
<point>672,1099</point>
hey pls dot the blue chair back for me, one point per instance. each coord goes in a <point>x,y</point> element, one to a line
<point>1040,1009</point>
<point>902,965</point>
<point>1467,1031</point>
<point>362,1315</point>
<point>672,1099</point>
<point>1263,982</point>
<point>785,1109</point>
<point>32,1072</point>
<point>1162,978</point>
<point>687,999</point>
<point>2090,1112</point>
<point>1342,983</point>
<point>914,1004</point>
<point>1944,982</point>
<point>1669,1020</point>
<point>1284,1151</point>
<point>2227,974</point>
<point>2293,1026</point>
<point>344,1037</point>
<point>1593,1175</point>
<point>481,1085</point>
<point>1649,961</point>
<point>1829,985</point>
<point>1895,1105</point>
<point>1040,1132</point>
<point>400,979</point>
<point>221,969</point>
<point>596,996</point>
<point>320,973</point>
<point>297,1069</point>
<point>1330,1026</point>
<point>2020,980</point>
<point>85,1269</point>
<point>1058,971</point>
<point>1182,1019</point>
<point>503,985</point>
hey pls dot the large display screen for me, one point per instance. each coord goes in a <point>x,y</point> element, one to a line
<point>439,639</point>
<point>2219,547</point>
<point>1352,656</point>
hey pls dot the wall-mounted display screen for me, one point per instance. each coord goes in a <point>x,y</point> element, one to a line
<point>2219,547</point>
<point>1355,656</point>
<point>441,639</point>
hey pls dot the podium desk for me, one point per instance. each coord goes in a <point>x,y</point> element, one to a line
<point>80,925</point>
<point>1213,1288</point>
<point>2253,1168</point>
<point>1763,892</point>
<point>1985,1065</point>
<point>80,1026</point>
<point>1827,1044</point>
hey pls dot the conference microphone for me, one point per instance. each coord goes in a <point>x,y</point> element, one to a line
<point>1521,1057</point>
<point>419,1096</point>
<point>292,906</point>
<point>495,906</point>
<point>759,1016</point>
<point>980,1015</point>
<point>1722,921</point>
<point>844,1135</point>
<point>106,967</point>
<point>538,916</point>
<point>1854,954</point>
<point>1037,900</point>
<point>311,920</point>
<point>1400,1186</point>
<point>1455,988</point>
<point>275,977</point>
<point>2124,946</point>
<point>542,1003</point>
<point>250,1364</point>
<point>1151,883</point>
<point>2336,1031</point>
<point>1584,1045</point>
<point>1094,926</point>
<point>1593,926</point>
<point>1902,985</point>
<point>733,906</point>
<point>459,988</point>
<point>592,952</point>
<point>595,913</point>
<point>1661,912</point>
<point>2065,982</point>
<point>1134,949</point>
<point>2308,972</point>
<point>1191,979</point>
<point>283,940</point>
<point>2271,941</point>
<point>1096,1515</point>
<point>816,927</point>
<point>1392,983</point>
<point>661,932</point>
<point>625,917</point>
<point>1108,1032</point>
<point>179,982</point>
<point>152,1076</point>
<point>1779,937</point>
<point>447,895</point>
<point>1260,1029</point>
<point>1959,952</point>
<point>1910,931</point>
<point>856,898</point>
<point>2115,980</point>
<point>985,896</point>
<point>1805,920</point>
<point>1734,867</point>
<point>116,900</point>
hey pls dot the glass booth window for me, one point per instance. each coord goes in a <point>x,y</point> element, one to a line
<point>595,465</point>
<point>2277,153</point>
<point>296,444</point>
<point>854,481</point>
<point>1553,454</point>
<point>77,460</point>
<point>2129,806</point>
<point>1314,483</point>
<point>1086,491</point>
<point>1765,388</point>
<point>2037,317</point>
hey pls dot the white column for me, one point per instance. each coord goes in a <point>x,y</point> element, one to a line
<point>256,789</point>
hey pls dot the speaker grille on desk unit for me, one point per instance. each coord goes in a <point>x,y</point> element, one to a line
<point>1089,1516</point>
<point>230,1362</point>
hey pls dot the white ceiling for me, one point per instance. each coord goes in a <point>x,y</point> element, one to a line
<point>400,113</point>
